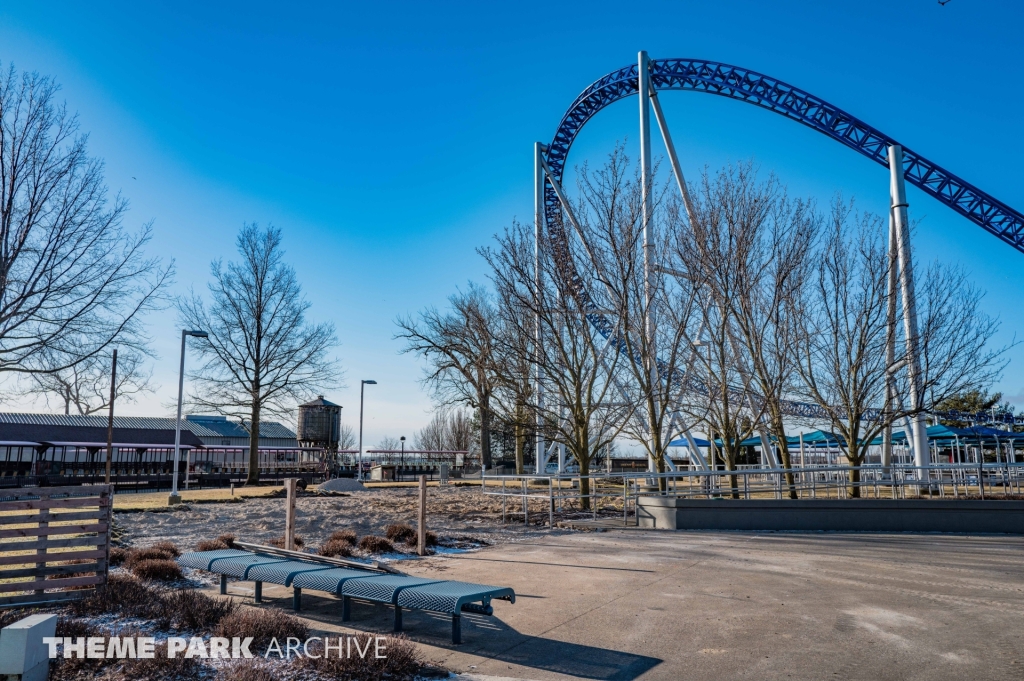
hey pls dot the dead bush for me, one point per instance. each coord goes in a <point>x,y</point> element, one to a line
<point>211,545</point>
<point>118,555</point>
<point>347,536</point>
<point>149,553</point>
<point>170,548</point>
<point>334,548</point>
<point>401,533</point>
<point>228,539</point>
<point>278,542</point>
<point>124,595</point>
<point>163,668</point>
<point>429,537</point>
<point>157,569</point>
<point>262,625</point>
<point>247,670</point>
<point>72,627</point>
<point>195,611</point>
<point>400,660</point>
<point>373,544</point>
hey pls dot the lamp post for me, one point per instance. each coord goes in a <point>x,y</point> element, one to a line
<point>362,387</point>
<point>402,461</point>
<point>174,497</point>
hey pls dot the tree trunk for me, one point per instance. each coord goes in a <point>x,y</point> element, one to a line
<point>254,446</point>
<point>520,444</point>
<point>854,479</point>
<point>485,435</point>
<point>730,465</point>
<point>584,482</point>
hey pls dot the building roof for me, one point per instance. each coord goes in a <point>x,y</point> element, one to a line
<point>56,432</point>
<point>320,402</point>
<point>200,426</point>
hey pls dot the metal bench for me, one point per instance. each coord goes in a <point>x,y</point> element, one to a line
<point>397,590</point>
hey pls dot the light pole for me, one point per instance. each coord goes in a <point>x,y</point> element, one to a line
<point>401,464</point>
<point>174,497</point>
<point>362,387</point>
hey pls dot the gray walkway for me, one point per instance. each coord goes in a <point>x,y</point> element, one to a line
<point>666,605</point>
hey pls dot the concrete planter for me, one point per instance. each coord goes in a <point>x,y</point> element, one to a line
<point>850,515</point>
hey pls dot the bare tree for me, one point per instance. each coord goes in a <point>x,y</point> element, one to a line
<point>749,249</point>
<point>448,430</point>
<point>262,355</point>
<point>582,409</point>
<point>843,343</point>
<point>459,349</point>
<point>85,387</point>
<point>346,437</point>
<point>72,279</point>
<point>389,443</point>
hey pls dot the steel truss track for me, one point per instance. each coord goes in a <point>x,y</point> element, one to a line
<point>769,93</point>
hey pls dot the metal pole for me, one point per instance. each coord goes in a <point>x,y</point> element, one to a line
<point>647,196</point>
<point>359,459</point>
<point>890,344</point>
<point>174,497</point>
<point>898,194</point>
<point>538,234</point>
<point>110,418</point>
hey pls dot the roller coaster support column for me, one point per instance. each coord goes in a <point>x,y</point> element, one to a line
<point>647,195</point>
<point>898,194</point>
<point>890,344</point>
<point>538,235</point>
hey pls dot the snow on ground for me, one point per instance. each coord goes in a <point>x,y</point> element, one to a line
<point>459,515</point>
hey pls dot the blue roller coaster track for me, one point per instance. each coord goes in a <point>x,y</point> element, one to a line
<point>734,82</point>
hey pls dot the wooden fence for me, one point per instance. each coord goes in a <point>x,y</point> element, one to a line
<point>54,543</point>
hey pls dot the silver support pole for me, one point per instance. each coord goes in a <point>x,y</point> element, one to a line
<point>538,233</point>
<point>174,496</point>
<point>673,159</point>
<point>890,343</point>
<point>647,196</point>
<point>898,194</point>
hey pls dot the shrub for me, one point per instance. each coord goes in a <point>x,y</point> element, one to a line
<point>430,538</point>
<point>278,542</point>
<point>401,533</point>
<point>402,661</point>
<point>158,569</point>
<point>374,544</point>
<point>122,594</point>
<point>334,548</point>
<point>347,536</point>
<point>118,555</point>
<point>167,547</point>
<point>163,668</point>
<point>195,611</point>
<point>262,625</point>
<point>150,553</point>
<point>72,627</point>
<point>211,545</point>
<point>228,539</point>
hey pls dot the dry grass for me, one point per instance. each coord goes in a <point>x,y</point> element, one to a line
<point>262,625</point>
<point>142,502</point>
<point>401,533</point>
<point>167,547</point>
<point>401,661</point>
<point>278,542</point>
<point>195,611</point>
<point>122,595</point>
<point>158,569</point>
<point>211,545</point>
<point>333,548</point>
<point>118,555</point>
<point>150,553</point>
<point>228,539</point>
<point>347,536</point>
<point>374,544</point>
<point>247,670</point>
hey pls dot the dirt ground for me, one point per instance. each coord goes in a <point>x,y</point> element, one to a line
<point>456,514</point>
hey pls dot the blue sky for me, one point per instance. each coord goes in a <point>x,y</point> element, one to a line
<point>389,140</point>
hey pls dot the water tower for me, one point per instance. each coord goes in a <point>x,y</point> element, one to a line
<point>319,424</point>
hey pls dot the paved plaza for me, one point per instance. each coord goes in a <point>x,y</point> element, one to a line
<point>698,605</point>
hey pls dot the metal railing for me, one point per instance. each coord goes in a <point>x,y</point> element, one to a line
<point>622,490</point>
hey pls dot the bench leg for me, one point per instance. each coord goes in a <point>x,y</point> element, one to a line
<point>223,584</point>
<point>346,608</point>
<point>259,592</point>
<point>398,618</point>
<point>296,599</point>
<point>456,628</point>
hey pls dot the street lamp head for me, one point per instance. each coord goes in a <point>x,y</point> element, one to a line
<point>402,438</point>
<point>195,333</point>
<point>370,382</point>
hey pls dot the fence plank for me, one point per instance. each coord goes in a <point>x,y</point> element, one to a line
<point>69,502</point>
<point>48,543</point>
<point>44,598</point>
<point>96,566</point>
<point>35,492</point>
<point>95,514</point>
<point>59,529</point>
<point>51,583</point>
<point>30,558</point>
